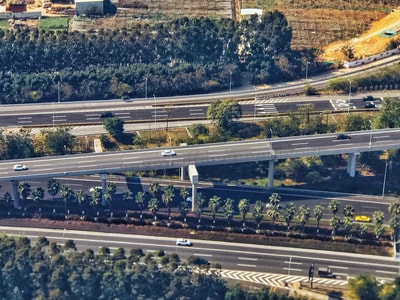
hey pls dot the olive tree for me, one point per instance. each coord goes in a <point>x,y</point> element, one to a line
<point>223,113</point>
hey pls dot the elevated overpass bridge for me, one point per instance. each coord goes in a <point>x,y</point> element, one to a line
<point>270,150</point>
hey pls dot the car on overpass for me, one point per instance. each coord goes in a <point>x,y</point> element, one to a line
<point>343,136</point>
<point>20,167</point>
<point>168,153</point>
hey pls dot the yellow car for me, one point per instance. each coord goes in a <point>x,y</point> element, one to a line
<point>363,219</point>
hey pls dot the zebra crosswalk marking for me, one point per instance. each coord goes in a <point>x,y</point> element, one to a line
<point>277,280</point>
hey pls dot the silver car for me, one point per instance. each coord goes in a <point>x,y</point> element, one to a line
<point>183,242</point>
<point>20,168</point>
<point>168,153</point>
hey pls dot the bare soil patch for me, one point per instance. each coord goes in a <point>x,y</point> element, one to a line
<point>366,44</point>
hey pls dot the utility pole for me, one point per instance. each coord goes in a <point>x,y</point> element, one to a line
<point>348,106</point>
<point>145,88</point>
<point>58,91</point>
<point>307,63</point>
<point>230,82</point>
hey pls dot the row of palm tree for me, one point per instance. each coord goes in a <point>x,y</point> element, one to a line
<point>217,206</point>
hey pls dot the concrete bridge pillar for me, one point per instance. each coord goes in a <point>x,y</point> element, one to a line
<point>183,173</point>
<point>15,193</point>
<point>194,179</point>
<point>351,164</point>
<point>271,173</point>
<point>103,188</point>
<point>194,194</point>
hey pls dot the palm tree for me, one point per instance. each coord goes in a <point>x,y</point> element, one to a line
<point>184,193</point>
<point>318,213</point>
<point>335,224</point>
<point>378,217</point>
<point>183,209</point>
<point>363,229</point>
<point>394,222</point>
<point>394,209</point>
<point>229,210</point>
<point>7,197</point>
<point>153,207</point>
<point>95,196</point>
<point>303,216</point>
<point>38,195</point>
<point>67,194</point>
<point>333,206</point>
<point>81,196</point>
<point>198,205</point>
<point>127,197</point>
<point>24,188</point>
<point>139,199</point>
<point>154,188</point>
<point>273,214</point>
<point>213,205</point>
<point>348,211</point>
<point>290,210</point>
<point>53,187</point>
<point>111,189</point>
<point>275,199</point>
<point>347,224</point>
<point>243,207</point>
<point>167,197</point>
<point>258,212</point>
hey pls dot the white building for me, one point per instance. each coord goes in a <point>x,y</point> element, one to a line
<point>92,6</point>
<point>248,12</point>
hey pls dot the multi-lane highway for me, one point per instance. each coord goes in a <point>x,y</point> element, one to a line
<point>140,110</point>
<point>209,154</point>
<point>291,264</point>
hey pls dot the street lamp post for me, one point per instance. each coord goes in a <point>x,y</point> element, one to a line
<point>145,88</point>
<point>290,261</point>
<point>384,180</point>
<point>255,105</point>
<point>370,135</point>
<point>370,140</point>
<point>58,91</point>
<point>348,106</point>
<point>155,112</point>
<point>53,113</point>
<point>230,82</point>
<point>65,160</point>
<point>307,63</point>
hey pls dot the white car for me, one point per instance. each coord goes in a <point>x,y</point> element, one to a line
<point>95,188</point>
<point>168,153</point>
<point>271,206</point>
<point>20,168</point>
<point>183,242</point>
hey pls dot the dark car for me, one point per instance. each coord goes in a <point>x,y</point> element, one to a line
<point>197,261</point>
<point>106,114</point>
<point>370,105</point>
<point>343,136</point>
<point>368,98</point>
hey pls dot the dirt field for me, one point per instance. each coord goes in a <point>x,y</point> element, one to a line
<point>368,43</point>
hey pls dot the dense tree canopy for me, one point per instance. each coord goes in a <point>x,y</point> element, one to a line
<point>185,55</point>
<point>47,270</point>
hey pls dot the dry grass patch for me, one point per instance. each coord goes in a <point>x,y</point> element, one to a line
<point>163,138</point>
<point>366,44</point>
